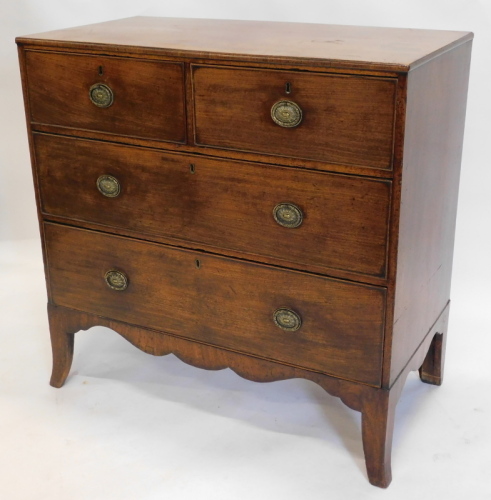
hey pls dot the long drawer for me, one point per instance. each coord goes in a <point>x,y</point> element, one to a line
<point>341,221</point>
<point>344,119</point>
<point>129,97</point>
<point>318,323</point>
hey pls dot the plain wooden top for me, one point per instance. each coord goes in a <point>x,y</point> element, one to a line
<point>385,49</point>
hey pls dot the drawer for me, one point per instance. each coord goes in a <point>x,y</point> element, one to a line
<point>222,203</point>
<point>221,301</point>
<point>344,119</point>
<point>130,97</point>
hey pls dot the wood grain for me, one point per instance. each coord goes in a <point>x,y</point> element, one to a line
<point>65,322</point>
<point>376,405</point>
<point>346,119</point>
<point>212,152</point>
<point>377,432</point>
<point>431,371</point>
<point>148,95</point>
<point>220,203</point>
<point>224,302</point>
<point>434,126</point>
<point>389,49</point>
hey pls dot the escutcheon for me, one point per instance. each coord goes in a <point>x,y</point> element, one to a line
<point>287,319</point>
<point>101,95</point>
<point>286,114</point>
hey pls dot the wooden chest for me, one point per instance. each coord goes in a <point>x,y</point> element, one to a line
<point>275,198</point>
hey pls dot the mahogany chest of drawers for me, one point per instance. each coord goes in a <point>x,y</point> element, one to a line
<point>275,198</point>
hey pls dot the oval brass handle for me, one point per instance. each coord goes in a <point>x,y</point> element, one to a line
<point>287,320</point>
<point>286,114</point>
<point>116,280</point>
<point>288,215</point>
<point>101,95</point>
<point>109,186</point>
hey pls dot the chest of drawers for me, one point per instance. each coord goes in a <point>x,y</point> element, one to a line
<point>275,198</point>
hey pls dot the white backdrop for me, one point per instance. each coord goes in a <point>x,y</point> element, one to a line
<point>471,294</point>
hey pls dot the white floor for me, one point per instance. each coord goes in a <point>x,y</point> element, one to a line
<point>131,426</point>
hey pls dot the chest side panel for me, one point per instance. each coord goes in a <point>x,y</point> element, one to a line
<point>436,101</point>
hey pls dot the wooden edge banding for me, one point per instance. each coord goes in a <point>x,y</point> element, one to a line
<point>437,53</point>
<point>298,64</point>
<point>394,217</point>
<point>214,151</point>
<point>65,322</point>
<point>364,67</point>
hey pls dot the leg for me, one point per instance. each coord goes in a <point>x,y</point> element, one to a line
<point>378,407</point>
<point>61,344</point>
<point>377,430</point>
<point>431,371</point>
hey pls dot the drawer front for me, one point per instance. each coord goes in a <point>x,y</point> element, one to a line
<point>343,119</point>
<point>220,301</point>
<point>225,204</point>
<point>130,97</point>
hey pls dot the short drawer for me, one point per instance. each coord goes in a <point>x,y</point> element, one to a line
<point>332,221</point>
<point>129,97</point>
<point>322,324</point>
<point>331,118</point>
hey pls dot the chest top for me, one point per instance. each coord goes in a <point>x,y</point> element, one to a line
<point>385,49</point>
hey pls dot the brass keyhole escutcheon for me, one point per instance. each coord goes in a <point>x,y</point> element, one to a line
<point>101,95</point>
<point>288,215</point>
<point>109,186</point>
<point>116,280</point>
<point>286,114</point>
<point>287,319</point>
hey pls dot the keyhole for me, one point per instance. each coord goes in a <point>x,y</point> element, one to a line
<point>192,168</point>
<point>197,263</point>
<point>101,70</point>
<point>288,88</point>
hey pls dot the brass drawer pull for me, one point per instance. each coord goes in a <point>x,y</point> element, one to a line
<point>109,186</point>
<point>287,320</point>
<point>116,280</point>
<point>101,95</point>
<point>288,215</point>
<point>286,114</point>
